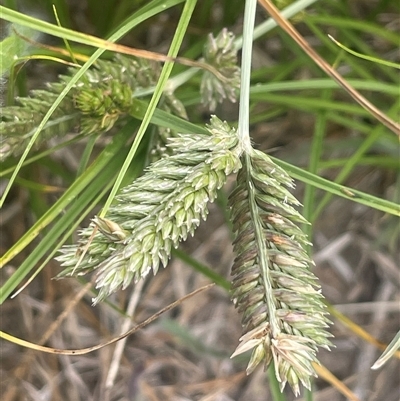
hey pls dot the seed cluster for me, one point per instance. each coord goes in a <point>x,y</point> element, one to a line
<point>156,212</point>
<point>221,53</point>
<point>283,316</point>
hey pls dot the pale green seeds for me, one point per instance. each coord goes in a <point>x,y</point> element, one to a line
<point>283,315</point>
<point>221,53</point>
<point>157,211</point>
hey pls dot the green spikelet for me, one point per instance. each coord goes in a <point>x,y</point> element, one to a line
<point>221,53</point>
<point>93,106</point>
<point>157,211</point>
<point>283,316</point>
<point>18,123</point>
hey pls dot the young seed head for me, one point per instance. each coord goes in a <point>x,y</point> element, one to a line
<point>157,211</point>
<point>283,315</point>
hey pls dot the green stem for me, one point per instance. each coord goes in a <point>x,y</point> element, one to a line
<point>244,138</point>
<point>248,30</point>
<point>270,23</point>
<point>274,384</point>
<point>262,251</point>
<point>165,73</point>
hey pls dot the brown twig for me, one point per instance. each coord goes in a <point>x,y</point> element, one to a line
<point>115,47</point>
<point>84,351</point>
<point>325,374</point>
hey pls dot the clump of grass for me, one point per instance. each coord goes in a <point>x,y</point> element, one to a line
<point>283,316</point>
<point>95,104</point>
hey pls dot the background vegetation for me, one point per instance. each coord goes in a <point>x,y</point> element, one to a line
<point>298,115</point>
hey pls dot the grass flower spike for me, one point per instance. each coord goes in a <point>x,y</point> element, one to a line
<point>221,53</point>
<point>157,211</point>
<point>283,316</point>
<point>93,106</point>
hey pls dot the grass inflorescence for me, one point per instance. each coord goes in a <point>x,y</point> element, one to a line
<point>345,160</point>
<point>157,211</point>
<point>283,315</point>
